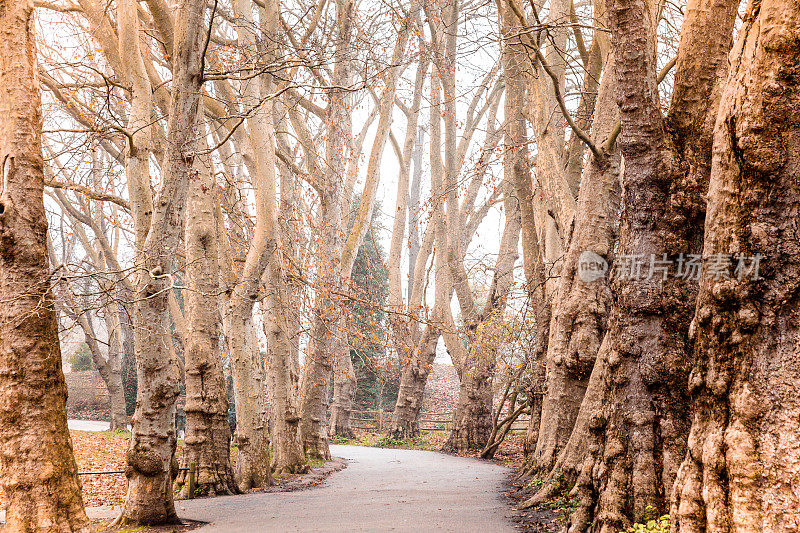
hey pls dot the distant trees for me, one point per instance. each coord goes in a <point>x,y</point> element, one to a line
<point>376,373</point>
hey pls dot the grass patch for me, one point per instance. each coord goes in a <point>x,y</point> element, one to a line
<point>315,462</point>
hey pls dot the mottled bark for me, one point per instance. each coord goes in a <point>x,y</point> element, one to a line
<point>583,298</point>
<point>207,442</point>
<point>639,437</point>
<point>252,436</point>
<point>742,466</point>
<point>38,474</point>
<point>151,453</point>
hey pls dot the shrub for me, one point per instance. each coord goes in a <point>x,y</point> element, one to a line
<point>81,359</point>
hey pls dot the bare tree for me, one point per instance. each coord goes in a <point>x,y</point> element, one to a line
<point>151,452</point>
<point>639,437</point>
<point>38,474</point>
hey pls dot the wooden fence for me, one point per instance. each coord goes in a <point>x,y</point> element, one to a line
<point>375,420</point>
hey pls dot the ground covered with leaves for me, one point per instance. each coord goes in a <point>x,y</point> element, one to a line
<point>105,452</point>
<point>101,452</point>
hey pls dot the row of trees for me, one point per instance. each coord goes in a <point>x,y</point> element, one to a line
<point>211,171</point>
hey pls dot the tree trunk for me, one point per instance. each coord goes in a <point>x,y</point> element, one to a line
<point>568,468</point>
<point>472,419</point>
<point>742,467</point>
<point>414,376</point>
<point>583,297</point>
<point>116,391</point>
<point>517,169</point>
<point>252,437</point>
<point>208,434</point>
<point>38,474</point>
<point>344,387</point>
<point>318,364</point>
<point>109,369</point>
<point>151,453</point>
<point>413,209</point>
<point>639,437</point>
<point>119,414</point>
<point>282,325</point>
<point>286,443</point>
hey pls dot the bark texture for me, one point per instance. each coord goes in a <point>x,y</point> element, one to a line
<point>208,434</point>
<point>638,439</point>
<point>38,474</point>
<point>742,466</point>
<point>151,453</point>
<point>582,300</point>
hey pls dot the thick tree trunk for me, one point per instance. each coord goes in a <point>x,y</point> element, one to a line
<point>583,297</point>
<point>208,434</point>
<point>151,452</point>
<point>38,474</point>
<point>414,376</point>
<point>318,364</point>
<point>568,468</point>
<point>252,436</point>
<point>639,437</point>
<point>742,467</point>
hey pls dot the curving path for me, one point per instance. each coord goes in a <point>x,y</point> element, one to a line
<point>380,490</point>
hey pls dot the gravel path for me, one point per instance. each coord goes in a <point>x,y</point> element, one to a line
<point>380,490</point>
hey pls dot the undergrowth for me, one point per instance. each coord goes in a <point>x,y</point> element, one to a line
<point>654,523</point>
